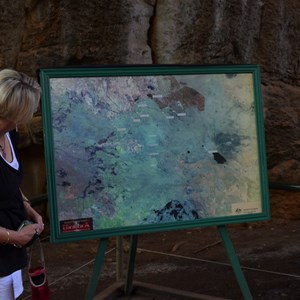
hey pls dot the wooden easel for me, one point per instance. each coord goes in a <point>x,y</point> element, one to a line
<point>128,286</point>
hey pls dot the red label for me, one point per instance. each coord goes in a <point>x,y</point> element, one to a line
<point>85,224</point>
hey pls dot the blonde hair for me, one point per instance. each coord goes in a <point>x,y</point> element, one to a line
<point>19,96</point>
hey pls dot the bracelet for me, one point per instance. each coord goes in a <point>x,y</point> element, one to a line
<point>8,239</point>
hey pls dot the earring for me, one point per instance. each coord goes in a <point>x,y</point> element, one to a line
<point>16,127</point>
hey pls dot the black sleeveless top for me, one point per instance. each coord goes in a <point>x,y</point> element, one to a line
<point>12,213</point>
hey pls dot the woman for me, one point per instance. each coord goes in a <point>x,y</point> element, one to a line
<point>19,99</point>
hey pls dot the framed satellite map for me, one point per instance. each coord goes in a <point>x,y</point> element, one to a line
<point>135,149</point>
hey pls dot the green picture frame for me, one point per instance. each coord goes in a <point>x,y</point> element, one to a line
<point>138,149</point>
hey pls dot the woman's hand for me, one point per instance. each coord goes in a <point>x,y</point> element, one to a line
<point>35,217</point>
<point>23,236</point>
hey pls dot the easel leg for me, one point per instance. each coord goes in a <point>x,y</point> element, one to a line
<point>96,270</point>
<point>235,263</point>
<point>119,258</point>
<point>131,262</point>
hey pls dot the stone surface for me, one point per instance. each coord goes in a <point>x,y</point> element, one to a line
<point>192,260</point>
<point>37,34</point>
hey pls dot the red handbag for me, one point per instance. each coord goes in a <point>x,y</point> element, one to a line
<point>38,275</point>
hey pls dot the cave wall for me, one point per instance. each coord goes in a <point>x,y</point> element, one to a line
<point>55,33</point>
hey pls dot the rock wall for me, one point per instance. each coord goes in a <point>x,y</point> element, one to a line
<point>54,33</point>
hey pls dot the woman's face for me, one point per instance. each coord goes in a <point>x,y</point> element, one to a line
<point>6,125</point>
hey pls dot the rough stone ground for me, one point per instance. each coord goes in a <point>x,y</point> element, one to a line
<point>190,260</point>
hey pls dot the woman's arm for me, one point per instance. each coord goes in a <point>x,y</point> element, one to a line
<point>20,238</point>
<point>32,214</point>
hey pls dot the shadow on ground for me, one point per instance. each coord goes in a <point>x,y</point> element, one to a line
<point>190,260</point>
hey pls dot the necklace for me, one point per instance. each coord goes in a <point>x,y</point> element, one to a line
<point>2,148</point>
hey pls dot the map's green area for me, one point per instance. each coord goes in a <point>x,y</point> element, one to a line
<point>143,150</point>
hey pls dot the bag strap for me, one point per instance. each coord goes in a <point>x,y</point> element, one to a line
<point>39,244</point>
